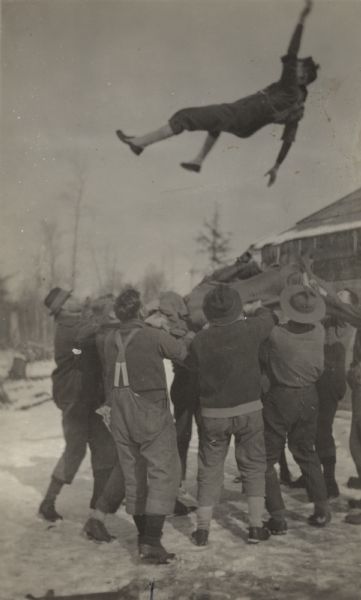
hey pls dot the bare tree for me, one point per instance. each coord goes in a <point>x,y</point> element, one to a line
<point>152,284</point>
<point>74,197</point>
<point>77,214</point>
<point>51,251</point>
<point>105,264</point>
<point>213,242</point>
<point>5,311</point>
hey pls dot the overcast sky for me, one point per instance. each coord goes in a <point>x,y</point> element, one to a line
<point>73,71</point>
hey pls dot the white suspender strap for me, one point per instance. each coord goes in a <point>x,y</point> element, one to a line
<point>120,364</point>
<point>124,374</point>
<point>117,374</point>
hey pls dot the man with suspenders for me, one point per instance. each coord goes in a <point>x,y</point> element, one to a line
<point>141,421</point>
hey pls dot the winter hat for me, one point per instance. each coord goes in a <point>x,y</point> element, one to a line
<point>222,305</point>
<point>102,304</point>
<point>55,299</point>
<point>302,304</point>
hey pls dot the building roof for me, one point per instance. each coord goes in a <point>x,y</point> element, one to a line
<point>342,215</point>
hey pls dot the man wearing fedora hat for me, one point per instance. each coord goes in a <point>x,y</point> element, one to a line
<point>77,392</point>
<point>295,359</point>
<point>225,355</point>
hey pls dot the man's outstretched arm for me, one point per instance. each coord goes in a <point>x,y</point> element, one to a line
<point>295,43</point>
<point>288,138</point>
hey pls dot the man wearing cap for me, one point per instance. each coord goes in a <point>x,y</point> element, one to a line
<point>225,355</point>
<point>331,388</point>
<point>295,357</point>
<point>78,393</point>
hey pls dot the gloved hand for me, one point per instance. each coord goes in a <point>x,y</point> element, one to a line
<point>354,376</point>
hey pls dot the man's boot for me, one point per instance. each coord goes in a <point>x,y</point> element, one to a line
<point>354,483</point>
<point>96,530</point>
<point>181,509</point>
<point>276,525</point>
<point>150,547</point>
<point>353,518</point>
<point>353,503</point>
<point>139,521</point>
<point>199,537</point>
<point>329,465</point>
<point>321,517</point>
<point>47,507</point>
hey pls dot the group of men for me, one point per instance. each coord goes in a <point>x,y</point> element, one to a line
<point>111,387</point>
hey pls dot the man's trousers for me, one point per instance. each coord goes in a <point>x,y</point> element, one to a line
<point>83,427</point>
<point>291,413</point>
<point>145,438</point>
<point>250,455</point>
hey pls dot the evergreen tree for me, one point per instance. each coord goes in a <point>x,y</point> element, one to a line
<point>213,242</point>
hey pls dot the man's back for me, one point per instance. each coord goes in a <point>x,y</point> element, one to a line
<point>226,358</point>
<point>144,355</point>
<point>296,358</point>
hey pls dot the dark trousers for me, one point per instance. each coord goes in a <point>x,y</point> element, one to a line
<point>83,427</point>
<point>113,492</point>
<point>331,388</point>
<point>184,397</point>
<point>355,442</point>
<point>355,433</point>
<point>291,413</point>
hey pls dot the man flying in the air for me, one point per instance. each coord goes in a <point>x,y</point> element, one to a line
<point>281,102</point>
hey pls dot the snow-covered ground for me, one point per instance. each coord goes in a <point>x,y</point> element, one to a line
<point>36,556</point>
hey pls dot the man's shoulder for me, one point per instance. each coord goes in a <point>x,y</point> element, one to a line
<point>67,321</point>
<point>204,336</point>
<point>319,330</point>
<point>214,332</point>
<point>280,330</point>
<point>154,334</point>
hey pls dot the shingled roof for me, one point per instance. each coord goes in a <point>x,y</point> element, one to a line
<point>341,215</point>
<point>346,210</point>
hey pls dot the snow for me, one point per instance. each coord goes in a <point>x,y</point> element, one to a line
<point>297,234</point>
<point>37,556</point>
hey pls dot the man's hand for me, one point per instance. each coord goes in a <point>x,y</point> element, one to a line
<point>249,308</point>
<point>306,11</point>
<point>272,174</point>
<point>105,412</point>
<point>306,262</point>
<point>158,320</point>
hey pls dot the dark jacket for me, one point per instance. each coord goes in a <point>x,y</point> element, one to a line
<point>77,376</point>
<point>337,341</point>
<point>66,376</point>
<point>356,359</point>
<point>226,358</point>
<point>354,374</point>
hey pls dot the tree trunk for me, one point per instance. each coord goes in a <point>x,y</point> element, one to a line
<point>15,337</point>
<point>18,368</point>
<point>4,398</point>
